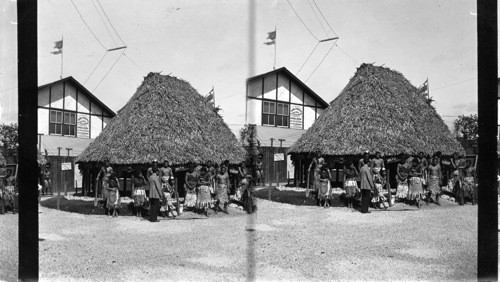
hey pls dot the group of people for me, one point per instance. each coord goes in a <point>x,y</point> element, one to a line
<point>419,177</point>
<point>7,191</point>
<point>206,186</point>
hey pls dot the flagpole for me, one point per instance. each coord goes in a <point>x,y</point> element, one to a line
<point>213,92</point>
<point>274,66</point>
<point>62,55</point>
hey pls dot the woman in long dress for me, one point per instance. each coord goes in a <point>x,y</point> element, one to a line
<point>222,181</point>
<point>350,184</point>
<point>191,181</point>
<point>434,178</point>
<point>415,189</point>
<point>467,189</point>
<point>113,195</point>
<point>402,173</point>
<point>105,172</point>
<point>324,185</point>
<point>204,197</point>
<point>139,192</point>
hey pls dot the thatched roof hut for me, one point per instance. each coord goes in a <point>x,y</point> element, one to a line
<point>166,118</point>
<point>378,110</point>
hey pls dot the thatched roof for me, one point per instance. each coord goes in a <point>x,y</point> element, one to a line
<point>378,110</point>
<point>166,118</point>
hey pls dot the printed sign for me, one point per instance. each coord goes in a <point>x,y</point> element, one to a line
<point>82,126</point>
<point>65,166</point>
<point>279,157</point>
<point>296,115</point>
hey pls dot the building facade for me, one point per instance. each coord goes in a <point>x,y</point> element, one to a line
<point>69,118</point>
<point>282,107</point>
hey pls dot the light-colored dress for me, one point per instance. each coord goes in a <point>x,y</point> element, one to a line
<point>324,185</point>
<point>221,188</point>
<point>415,190</point>
<point>402,189</point>
<point>204,198</point>
<point>190,197</point>
<point>350,185</point>
<point>139,192</point>
<point>378,194</point>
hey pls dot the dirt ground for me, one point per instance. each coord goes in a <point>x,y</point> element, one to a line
<point>279,242</point>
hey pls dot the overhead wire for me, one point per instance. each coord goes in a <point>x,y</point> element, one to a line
<point>104,12</point>
<point>81,17</point>
<point>130,59</point>
<point>326,33</point>
<point>109,70</point>
<point>105,25</point>
<point>310,32</point>
<point>347,54</point>
<point>453,84</point>
<point>324,18</point>
<point>96,67</point>
<point>324,57</point>
<point>310,54</point>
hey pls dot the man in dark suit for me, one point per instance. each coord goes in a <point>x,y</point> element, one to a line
<point>367,186</point>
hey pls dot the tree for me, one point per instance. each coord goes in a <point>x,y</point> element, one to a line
<point>466,131</point>
<point>248,137</point>
<point>9,136</point>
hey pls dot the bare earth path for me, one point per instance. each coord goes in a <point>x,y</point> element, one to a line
<point>285,243</point>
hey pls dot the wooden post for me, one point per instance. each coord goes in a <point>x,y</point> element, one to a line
<point>388,186</point>
<point>177,197</point>
<point>60,178</point>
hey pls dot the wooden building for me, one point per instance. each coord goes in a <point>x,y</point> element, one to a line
<point>282,107</point>
<point>69,117</point>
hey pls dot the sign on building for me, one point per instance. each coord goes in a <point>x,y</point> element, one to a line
<point>65,166</point>
<point>296,116</point>
<point>279,157</point>
<point>82,126</point>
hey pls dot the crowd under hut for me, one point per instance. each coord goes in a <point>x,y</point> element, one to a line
<point>167,120</point>
<point>378,111</point>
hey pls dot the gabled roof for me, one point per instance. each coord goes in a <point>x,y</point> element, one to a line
<point>81,87</point>
<point>378,110</point>
<point>294,79</point>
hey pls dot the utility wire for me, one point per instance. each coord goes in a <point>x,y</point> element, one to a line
<point>96,67</point>
<point>109,71</point>
<point>130,59</point>
<point>453,84</point>
<point>105,25</point>
<point>81,17</point>
<point>324,18</point>
<point>310,32</point>
<point>320,62</point>
<point>326,33</point>
<point>347,54</point>
<point>308,58</point>
<point>104,12</point>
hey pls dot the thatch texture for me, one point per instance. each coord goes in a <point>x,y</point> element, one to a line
<point>378,110</point>
<point>165,119</point>
<point>2,160</point>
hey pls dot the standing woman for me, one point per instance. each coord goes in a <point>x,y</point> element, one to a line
<point>402,174</point>
<point>222,181</point>
<point>350,184</point>
<point>105,172</point>
<point>47,180</point>
<point>416,190</point>
<point>434,178</point>
<point>204,197</point>
<point>324,185</point>
<point>113,195</point>
<point>469,183</point>
<point>155,194</point>
<point>138,191</point>
<point>191,181</point>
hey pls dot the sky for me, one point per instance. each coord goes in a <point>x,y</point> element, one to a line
<point>207,44</point>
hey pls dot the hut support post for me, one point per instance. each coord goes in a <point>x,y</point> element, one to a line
<point>60,179</point>
<point>177,197</point>
<point>388,186</point>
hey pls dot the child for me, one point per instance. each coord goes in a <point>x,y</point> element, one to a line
<point>378,197</point>
<point>167,200</point>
